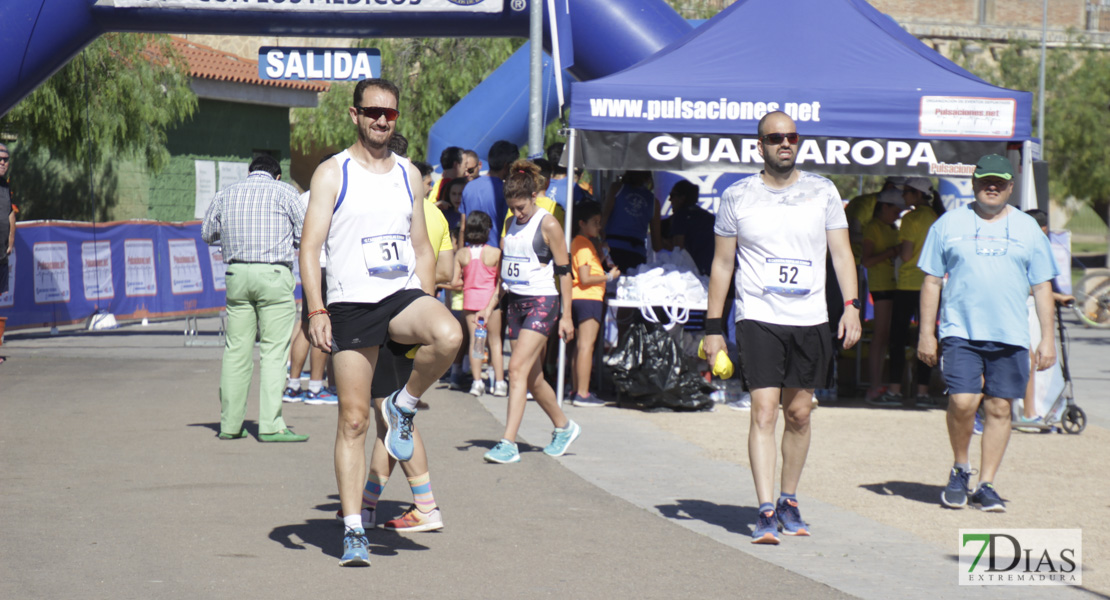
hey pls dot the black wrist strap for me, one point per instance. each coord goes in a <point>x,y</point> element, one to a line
<point>715,326</point>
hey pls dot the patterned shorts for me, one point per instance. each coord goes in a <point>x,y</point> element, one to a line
<point>535,313</point>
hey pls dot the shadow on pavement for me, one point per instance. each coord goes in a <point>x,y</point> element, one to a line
<point>912,490</point>
<point>734,519</point>
<point>326,534</point>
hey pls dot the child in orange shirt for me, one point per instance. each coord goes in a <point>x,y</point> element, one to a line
<point>587,296</point>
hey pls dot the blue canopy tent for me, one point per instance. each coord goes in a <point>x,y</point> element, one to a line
<point>868,97</point>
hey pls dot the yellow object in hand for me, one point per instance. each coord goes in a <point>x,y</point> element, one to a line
<point>411,354</point>
<point>722,366</point>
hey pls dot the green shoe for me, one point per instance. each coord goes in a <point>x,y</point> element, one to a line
<point>234,436</point>
<point>285,435</point>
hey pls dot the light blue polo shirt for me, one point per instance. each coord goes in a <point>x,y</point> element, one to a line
<point>991,268</point>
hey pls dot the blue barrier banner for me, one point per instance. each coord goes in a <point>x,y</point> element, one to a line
<point>62,273</point>
<point>327,64</point>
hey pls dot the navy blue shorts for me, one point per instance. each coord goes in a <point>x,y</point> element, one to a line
<point>992,368</point>
<point>584,310</point>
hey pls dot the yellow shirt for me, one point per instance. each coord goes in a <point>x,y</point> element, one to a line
<point>438,233</point>
<point>434,194</point>
<point>583,252</point>
<point>859,212</point>
<point>880,277</point>
<point>915,227</point>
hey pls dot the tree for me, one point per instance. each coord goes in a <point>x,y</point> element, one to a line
<point>119,96</point>
<point>433,73</point>
<point>1076,110</point>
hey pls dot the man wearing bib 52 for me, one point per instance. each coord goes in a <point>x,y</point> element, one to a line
<point>533,253</point>
<point>779,225</point>
<point>381,277</point>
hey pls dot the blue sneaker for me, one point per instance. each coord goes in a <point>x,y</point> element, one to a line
<point>987,499</point>
<point>790,519</point>
<point>355,553</point>
<point>561,439</point>
<point>766,529</point>
<point>398,429</point>
<point>955,495</point>
<point>321,398</point>
<point>503,453</point>
<point>978,428</point>
<point>292,395</point>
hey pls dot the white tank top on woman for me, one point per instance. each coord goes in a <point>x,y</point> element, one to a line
<point>370,253</point>
<point>526,263</point>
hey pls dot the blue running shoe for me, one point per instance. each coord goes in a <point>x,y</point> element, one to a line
<point>790,519</point>
<point>292,395</point>
<point>503,453</point>
<point>987,499</point>
<point>561,439</point>
<point>322,397</point>
<point>955,495</point>
<point>766,529</point>
<point>398,429</point>
<point>355,553</point>
<point>978,428</point>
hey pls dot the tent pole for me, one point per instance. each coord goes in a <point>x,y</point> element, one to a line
<point>569,225</point>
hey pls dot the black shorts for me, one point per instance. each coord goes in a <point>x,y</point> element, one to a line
<point>535,313</point>
<point>584,310</point>
<point>356,325</point>
<point>882,295</point>
<point>785,356</point>
<point>323,295</point>
<point>392,369</point>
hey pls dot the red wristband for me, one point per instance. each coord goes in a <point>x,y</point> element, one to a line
<point>322,311</point>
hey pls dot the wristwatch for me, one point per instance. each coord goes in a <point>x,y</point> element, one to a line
<point>854,302</point>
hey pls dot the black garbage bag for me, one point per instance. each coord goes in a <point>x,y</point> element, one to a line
<point>649,367</point>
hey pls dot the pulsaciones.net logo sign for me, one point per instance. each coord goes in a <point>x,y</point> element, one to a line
<point>1021,557</point>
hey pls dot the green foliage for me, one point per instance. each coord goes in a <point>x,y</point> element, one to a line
<point>118,96</point>
<point>433,74</point>
<point>1077,118</point>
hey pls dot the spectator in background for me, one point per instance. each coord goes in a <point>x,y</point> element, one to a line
<point>907,296</point>
<point>860,210</point>
<point>399,145</point>
<point>451,161</point>
<point>477,274</point>
<point>691,224</point>
<point>485,193</point>
<point>425,175</point>
<point>587,296</point>
<point>258,224</point>
<point>630,217</point>
<point>7,217</point>
<point>557,186</point>
<point>1028,405</point>
<point>452,200</point>
<point>880,249</point>
<point>472,165</point>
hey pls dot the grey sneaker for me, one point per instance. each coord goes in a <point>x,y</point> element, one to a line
<point>589,400</point>
<point>986,499</point>
<point>955,495</point>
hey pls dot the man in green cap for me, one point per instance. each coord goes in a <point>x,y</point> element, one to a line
<point>992,254</point>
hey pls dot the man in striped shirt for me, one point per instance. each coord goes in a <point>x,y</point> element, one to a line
<point>258,224</point>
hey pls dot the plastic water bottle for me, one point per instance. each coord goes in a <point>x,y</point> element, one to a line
<point>478,346</point>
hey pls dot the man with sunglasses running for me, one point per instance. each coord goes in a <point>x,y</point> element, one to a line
<point>365,204</point>
<point>992,254</point>
<point>779,225</point>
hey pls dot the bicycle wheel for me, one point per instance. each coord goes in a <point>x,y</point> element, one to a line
<point>1092,299</point>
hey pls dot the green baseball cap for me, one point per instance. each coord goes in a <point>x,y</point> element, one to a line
<point>993,165</point>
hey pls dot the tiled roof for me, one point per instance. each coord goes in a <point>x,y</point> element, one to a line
<point>206,62</point>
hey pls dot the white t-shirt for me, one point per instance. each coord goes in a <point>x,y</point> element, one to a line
<point>781,246</point>
<point>527,267</point>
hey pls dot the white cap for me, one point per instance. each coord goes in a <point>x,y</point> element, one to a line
<point>921,184</point>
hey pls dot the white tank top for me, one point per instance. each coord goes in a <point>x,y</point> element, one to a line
<point>526,264</point>
<point>369,252</point>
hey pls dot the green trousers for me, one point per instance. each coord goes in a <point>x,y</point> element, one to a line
<point>259,301</point>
